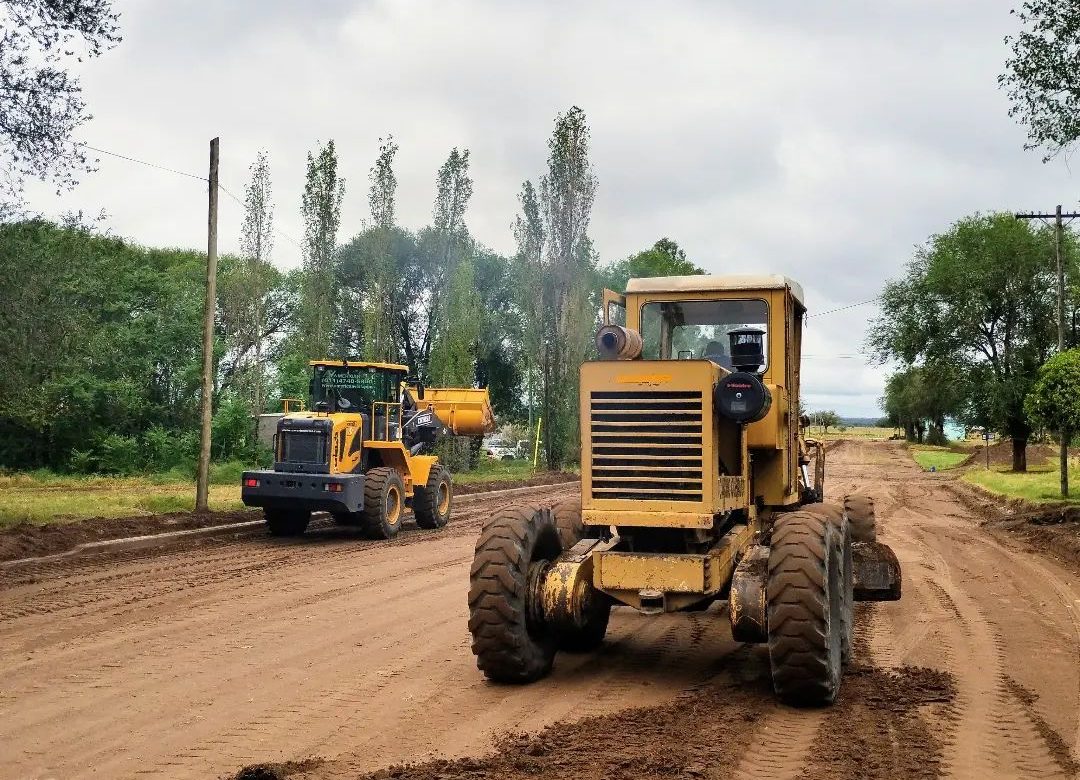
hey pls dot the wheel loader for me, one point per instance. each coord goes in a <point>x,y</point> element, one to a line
<point>362,452</point>
<point>695,488</point>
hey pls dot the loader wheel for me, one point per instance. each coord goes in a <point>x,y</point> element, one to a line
<point>384,502</point>
<point>860,513</point>
<point>510,640</point>
<point>804,608</point>
<point>431,503</point>
<point>286,522</point>
<point>838,518</point>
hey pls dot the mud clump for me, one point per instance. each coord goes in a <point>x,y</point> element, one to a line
<point>700,734</point>
<point>277,771</point>
<point>877,729</point>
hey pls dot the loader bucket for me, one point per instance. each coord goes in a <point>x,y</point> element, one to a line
<point>465,411</point>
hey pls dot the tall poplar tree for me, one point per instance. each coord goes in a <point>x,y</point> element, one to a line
<point>321,209</point>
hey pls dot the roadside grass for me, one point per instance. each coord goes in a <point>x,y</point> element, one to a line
<point>43,496</point>
<point>490,470</point>
<point>937,458</point>
<point>1039,484</point>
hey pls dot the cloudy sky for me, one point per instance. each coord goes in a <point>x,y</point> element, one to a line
<point>821,140</point>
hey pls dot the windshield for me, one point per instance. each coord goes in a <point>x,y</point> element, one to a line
<point>348,388</point>
<point>696,330</point>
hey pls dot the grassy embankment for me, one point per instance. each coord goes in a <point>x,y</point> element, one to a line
<point>45,497</point>
<point>1041,483</point>
<point>937,458</point>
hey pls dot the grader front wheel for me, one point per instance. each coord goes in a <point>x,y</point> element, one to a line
<point>510,640</point>
<point>804,607</point>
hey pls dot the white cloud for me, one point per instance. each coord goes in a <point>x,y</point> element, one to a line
<point>821,140</point>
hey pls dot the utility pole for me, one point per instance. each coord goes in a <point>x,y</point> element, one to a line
<point>1059,226</point>
<point>202,486</point>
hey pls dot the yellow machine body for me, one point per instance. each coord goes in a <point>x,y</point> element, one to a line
<point>656,455</point>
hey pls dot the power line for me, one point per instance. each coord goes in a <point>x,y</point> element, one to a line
<point>844,308</point>
<point>224,189</point>
<point>149,164</point>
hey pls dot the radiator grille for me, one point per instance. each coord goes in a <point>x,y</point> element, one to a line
<point>303,446</point>
<point>646,444</point>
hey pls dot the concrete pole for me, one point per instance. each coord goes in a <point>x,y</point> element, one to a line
<point>202,485</point>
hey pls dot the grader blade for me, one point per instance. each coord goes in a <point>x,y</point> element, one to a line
<point>876,572</point>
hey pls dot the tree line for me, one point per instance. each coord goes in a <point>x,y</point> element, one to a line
<point>99,367</point>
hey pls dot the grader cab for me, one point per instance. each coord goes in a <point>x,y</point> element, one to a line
<point>695,488</point>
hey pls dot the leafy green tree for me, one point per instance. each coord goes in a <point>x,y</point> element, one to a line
<point>825,419</point>
<point>664,258</point>
<point>1042,74</point>
<point>978,299</point>
<point>1054,401</point>
<point>453,313</point>
<point>41,104</point>
<point>321,209</point>
<point>568,276</point>
<point>920,398</point>
<point>247,291</point>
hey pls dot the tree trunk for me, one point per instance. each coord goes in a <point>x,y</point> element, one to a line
<point>1019,454</point>
<point>1064,462</point>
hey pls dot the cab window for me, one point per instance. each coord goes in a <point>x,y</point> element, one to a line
<point>699,330</point>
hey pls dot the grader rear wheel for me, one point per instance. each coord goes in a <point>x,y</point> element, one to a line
<point>860,514</point>
<point>804,607</point>
<point>510,640</point>
<point>838,517</point>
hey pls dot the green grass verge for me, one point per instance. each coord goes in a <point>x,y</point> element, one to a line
<point>1038,484</point>
<point>864,433</point>
<point>46,497</point>
<point>938,458</point>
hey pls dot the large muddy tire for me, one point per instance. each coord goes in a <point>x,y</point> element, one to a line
<point>838,517</point>
<point>431,502</point>
<point>286,522</point>
<point>384,502</point>
<point>860,514</point>
<point>804,594</point>
<point>567,514</point>
<point>510,640</point>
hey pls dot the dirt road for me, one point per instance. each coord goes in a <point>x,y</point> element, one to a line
<point>195,661</point>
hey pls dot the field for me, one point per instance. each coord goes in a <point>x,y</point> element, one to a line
<point>858,432</point>
<point>937,458</point>
<point>45,497</point>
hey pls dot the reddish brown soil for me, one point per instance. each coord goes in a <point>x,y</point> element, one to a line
<point>192,661</point>
<point>27,539</point>
<point>546,478</point>
<point>1001,453</point>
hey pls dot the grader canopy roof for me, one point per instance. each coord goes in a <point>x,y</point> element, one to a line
<point>710,282</point>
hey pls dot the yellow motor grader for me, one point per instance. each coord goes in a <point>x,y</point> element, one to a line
<point>695,487</point>
<point>361,452</point>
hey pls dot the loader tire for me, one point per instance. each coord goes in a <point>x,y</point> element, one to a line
<point>838,517</point>
<point>286,522</point>
<point>860,513</point>
<point>804,592</point>
<point>384,502</point>
<point>431,502</point>
<point>509,638</point>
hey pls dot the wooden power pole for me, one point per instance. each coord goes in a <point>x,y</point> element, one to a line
<point>202,485</point>
<point>1059,226</point>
